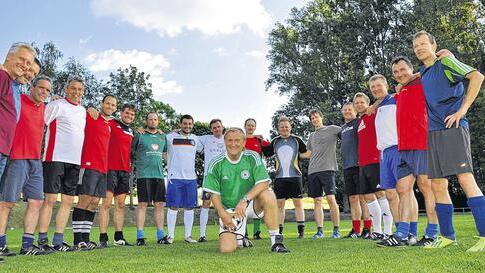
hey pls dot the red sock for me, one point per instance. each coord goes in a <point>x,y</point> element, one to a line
<point>356,225</point>
<point>368,224</point>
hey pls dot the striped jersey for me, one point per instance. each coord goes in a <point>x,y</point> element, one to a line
<point>181,155</point>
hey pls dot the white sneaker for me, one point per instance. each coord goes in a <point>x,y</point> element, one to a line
<point>190,240</point>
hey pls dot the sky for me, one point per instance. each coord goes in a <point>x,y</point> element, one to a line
<point>206,58</point>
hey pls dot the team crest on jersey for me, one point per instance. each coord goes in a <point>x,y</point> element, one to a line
<point>155,146</point>
<point>245,174</point>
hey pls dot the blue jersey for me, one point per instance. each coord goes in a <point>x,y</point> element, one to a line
<point>444,90</point>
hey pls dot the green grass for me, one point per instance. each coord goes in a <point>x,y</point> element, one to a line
<point>326,255</point>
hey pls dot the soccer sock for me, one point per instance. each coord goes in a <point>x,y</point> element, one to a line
<point>445,219</point>
<point>188,222</point>
<point>356,226</point>
<point>375,214</point>
<point>431,231</point>
<point>119,235</point>
<point>477,206</point>
<point>413,228</point>
<point>140,234</point>
<point>386,215</point>
<point>368,224</point>
<point>204,218</point>
<point>88,225</point>
<point>78,224</point>
<point>27,240</point>
<point>103,237</point>
<point>3,240</point>
<point>256,226</point>
<point>319,229</point>
<point>272,235</point>
<point>396,224</point>
<point>281,229</point>
<point>42,237</point>
<point>58,239</point>
<point>402,230</point>
<point>171,220</point>
<point>301,227</point>
<point>160,234</point>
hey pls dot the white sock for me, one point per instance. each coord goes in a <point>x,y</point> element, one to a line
<point>204,218</point>
<point>188,222</point>
<point>386,215</point>
<point>272,234</point>
<point>171,221</point>
<point>375,214</point>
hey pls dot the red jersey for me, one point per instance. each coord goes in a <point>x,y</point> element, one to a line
<point>29,132</point>
<point>256,144</point>
<point>119,146</point>
<point>411,117</point>
<point>96,143</point>
<point>368,153</point>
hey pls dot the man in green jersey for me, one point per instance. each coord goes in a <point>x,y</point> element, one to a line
<point>240,183</point>
<point>149,150</point>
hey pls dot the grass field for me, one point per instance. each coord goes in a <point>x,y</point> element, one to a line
<point>326,255</point>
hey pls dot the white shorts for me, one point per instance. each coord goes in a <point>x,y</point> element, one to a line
<point>240,231</point>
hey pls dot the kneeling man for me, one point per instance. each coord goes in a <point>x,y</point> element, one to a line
<point>240,183</point>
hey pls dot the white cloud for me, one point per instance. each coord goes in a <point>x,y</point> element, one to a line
<point>84,41</point>
<point>256,53</point>
<point>222,52</point>
<point>170,18</point>
<point>154,64</point>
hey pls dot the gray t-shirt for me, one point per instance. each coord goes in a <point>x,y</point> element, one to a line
<point>323,145</point>
<point>349,142</point>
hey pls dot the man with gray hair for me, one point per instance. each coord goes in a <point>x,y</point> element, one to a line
<point>24,171</point>
<point>65,119</point>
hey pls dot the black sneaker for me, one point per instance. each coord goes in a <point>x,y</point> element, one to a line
<point>122,242</point>
<point>202,239</point>
<point>278,246</point>
<point>365,233</point>
<point>103,244</point>
<point>81,246</point>
<point>165,240</point>
<point>393,241</point>
<point>91,245</point>
<point>141,242</point>
<point>5,252</point>
<point>32,251</point>
<point>47,248</point>
<point>257,235</point>
<point>424,241</point>
<point>245,242</point>
<point>64,247</point>
<point>376,236</point>
<point>352,235</point>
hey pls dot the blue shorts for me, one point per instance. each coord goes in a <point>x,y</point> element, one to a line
<point>22,175</point>
<point>390,160</point>
<point>182,193</point>
<point>3,163</point>
<point>413,162</point>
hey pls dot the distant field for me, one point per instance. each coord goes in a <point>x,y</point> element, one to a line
<point>326,255</point>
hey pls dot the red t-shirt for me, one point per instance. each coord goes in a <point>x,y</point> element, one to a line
<point>119,146</point>
<point>368,153</point>
<point>411,117</point>
<point>256,144</point>
<point>27,141</point>
<point>96,143</point>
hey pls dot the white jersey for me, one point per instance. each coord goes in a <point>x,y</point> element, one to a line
<point>65,135</point>
<point>181,151</point>
<point>213,146</point>
<point>386,128</point>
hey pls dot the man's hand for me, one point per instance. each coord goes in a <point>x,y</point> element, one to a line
<point>140,130</point>
<point>455,118</point>
<point>93,112</point>
<point>241,209</point>
<point>371,110</point>
<point>226,218</point>
<point>444,53</point>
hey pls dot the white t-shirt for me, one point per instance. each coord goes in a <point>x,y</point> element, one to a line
<point>213,146</point>
<point>181,155</point>
<point>65,134</point>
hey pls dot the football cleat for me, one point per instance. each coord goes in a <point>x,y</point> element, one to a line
<point>64,247</point>
<point>440,242</point>
<point>103,244</point>
<point>202,239</point>
<point>377,236</point>
<point>365,233</point>
<point>122,242</point>
<point>245,242</point>
<point>167,240</point>
<point>91,245</point>
<point>190,240</point>
<point>5,252</point>
<point>141,242</point>
<point>32,251</point>
<point>335,234</point>
<point>392,241</point>
<point>257,235</point>
<point>278,246</point>
<point>81,246</point>
<point>352,235</point>
<point>47,248</point>
<point>412,240</point>
<point>318,235</point>
<point>424,241</point>
<point>479,246</point>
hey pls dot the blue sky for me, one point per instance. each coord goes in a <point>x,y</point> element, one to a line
<point>206,57</point>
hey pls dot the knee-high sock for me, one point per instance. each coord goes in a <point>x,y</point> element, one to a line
<point>171,221</point>
<point>78,216</point>
<point>375,214</point>
<point>477,206</point>
<point>88,224</point>
<point>445,219</point>
<point>204,218</point>
<point>188,222</point>
<point>386,215</point>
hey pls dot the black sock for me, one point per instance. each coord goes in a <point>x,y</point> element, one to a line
<point>281,229</point>
<point>320,229</point>
<point>88,221</point>
<point>301,227</point>
<point>118,235</point>
<point>77,224</point>
<point>103,237</point>
<point>335,228</point>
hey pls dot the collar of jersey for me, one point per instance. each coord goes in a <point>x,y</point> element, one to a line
<point>234,162</point>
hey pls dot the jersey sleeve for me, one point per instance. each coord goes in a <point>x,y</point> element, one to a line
<point>198,145</point>
<point>212,181</point>
<point>259,171</point>
<point>269,149</point>
<point>301,145</point>
<point>4,83</point>
<point>455,71</point>
<point>51,112</point>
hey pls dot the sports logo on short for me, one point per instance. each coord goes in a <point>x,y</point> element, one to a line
<point>155,146</point>
<point>245,174</point>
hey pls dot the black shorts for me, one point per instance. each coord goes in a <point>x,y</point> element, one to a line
<point>92,183</point>
<point>206,195</point>
<point>150,190</point>
<point>118,182</point>
<point>351,181</point>
<point>321,183</point>
<point>60,177</point>
<point>288,187</point>
<point>369,178</point>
